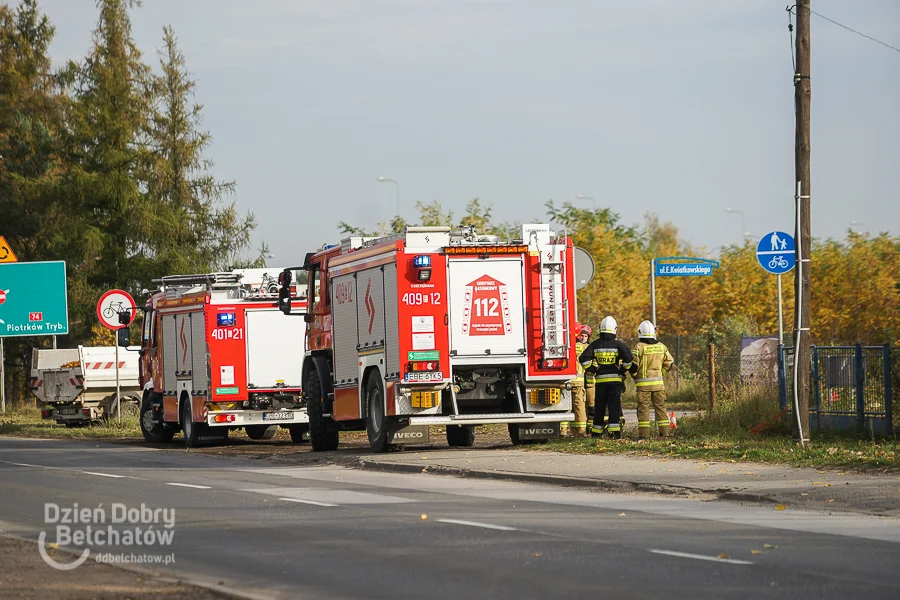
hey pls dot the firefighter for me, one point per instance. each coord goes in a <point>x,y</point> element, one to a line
<point>651,362</point>
<point>577,427</point>
<point>589,383</point>
<point>609,359</point>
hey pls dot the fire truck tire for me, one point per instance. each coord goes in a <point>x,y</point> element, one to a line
<point>514,436</point>
<point>261,432</point>
<point>322,438</point>
<point>154,431</point>
<point>192,431</point>
<point>461,435</point>
<point>376,422</point>
<point>298,432</point>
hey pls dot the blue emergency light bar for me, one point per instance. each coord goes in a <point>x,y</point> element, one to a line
<point>422,261</point>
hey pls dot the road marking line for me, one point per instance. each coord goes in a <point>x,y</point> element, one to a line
<point>25,465</point>
<point>103,474</point>
<point>476,524</point>
<point>732,561</point>
<point>301,501</point>
<point>191,485</point>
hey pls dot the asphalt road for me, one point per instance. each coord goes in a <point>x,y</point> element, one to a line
<point>332,532</point>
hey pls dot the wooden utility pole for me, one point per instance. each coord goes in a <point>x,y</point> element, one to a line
<point>802,94</point>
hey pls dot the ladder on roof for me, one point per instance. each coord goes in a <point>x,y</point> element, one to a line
<point>554,299</point>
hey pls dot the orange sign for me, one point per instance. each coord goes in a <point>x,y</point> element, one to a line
<point>6,253</point>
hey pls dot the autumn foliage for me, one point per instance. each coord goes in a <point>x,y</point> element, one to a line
<point>854,281</point>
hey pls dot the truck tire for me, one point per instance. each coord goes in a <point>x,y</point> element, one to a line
<point>130,409</point>
<point>376,422</point>
<point>191,430</point>
<point>321,437</point>
<point>299,433</point>
<point>154,431</point>
<point>514,436</point>
<point>462,436</point>
<point>261,432</point>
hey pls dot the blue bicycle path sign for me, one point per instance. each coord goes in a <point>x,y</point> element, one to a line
<point>776,252</point>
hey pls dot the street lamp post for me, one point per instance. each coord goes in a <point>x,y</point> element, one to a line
<point>382,179</point>
<point>583,197</point>
<point>744,233</point>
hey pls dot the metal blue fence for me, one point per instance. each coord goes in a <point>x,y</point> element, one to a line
<point>851,387</point>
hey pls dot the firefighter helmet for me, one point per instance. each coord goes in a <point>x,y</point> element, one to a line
<point>609,325</point>
<point>646,330</point>
<point>586,329</point>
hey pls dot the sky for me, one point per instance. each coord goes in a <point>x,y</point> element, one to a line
<point>680,108</point>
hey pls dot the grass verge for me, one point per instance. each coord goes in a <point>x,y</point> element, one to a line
<point>747,425</point>
<point>28,423</point>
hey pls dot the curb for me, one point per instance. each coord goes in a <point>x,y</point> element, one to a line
<point>608,485</point>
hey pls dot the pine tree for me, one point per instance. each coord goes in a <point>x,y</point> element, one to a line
<point>29,120</point>
<point>196,232</point>
<point>103,221</point>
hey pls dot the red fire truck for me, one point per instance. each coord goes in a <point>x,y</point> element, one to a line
<point>216,354</point>
<point>439,327</point>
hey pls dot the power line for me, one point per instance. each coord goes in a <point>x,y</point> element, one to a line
<point>850,29</point>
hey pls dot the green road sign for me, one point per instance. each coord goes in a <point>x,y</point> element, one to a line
<point>33,299</point>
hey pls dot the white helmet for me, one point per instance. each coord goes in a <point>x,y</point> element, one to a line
<point>646,330</point>
<point>609,325</point>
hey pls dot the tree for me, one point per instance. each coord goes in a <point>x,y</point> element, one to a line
<point>29,123</point>
<point>30,119</point>
<point>102,217</point>
<point>190,230</point>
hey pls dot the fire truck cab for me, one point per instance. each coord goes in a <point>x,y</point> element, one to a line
<point>216,354</point>
<point>433,327</point>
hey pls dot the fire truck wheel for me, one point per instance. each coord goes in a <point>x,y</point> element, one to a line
<point>298,432</point>
<point>322,438</point>
<point>461,435</point>
<point>261,432</point>
<point>192,431</point>
<point>153,430</point>
<point>514,436</point>
<point>376,422</point>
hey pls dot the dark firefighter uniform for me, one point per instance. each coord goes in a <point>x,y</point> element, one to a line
<point>607,359</point>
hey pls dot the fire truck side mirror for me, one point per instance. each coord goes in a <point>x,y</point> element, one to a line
<point>284,299</point>
<point>123,337</point>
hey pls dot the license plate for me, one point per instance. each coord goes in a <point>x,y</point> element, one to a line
<point>425,376</point>
<point>278,416</point>
<point>68,411</point>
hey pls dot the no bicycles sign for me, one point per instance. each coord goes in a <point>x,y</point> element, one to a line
<point>111,305</point>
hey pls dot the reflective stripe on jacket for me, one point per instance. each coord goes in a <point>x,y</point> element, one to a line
<point>653,361</point>
<point>579,377</point>
<point>606,360</point>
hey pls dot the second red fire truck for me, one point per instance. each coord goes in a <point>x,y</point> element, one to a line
<point>438,327</point>
<point>216,354</point>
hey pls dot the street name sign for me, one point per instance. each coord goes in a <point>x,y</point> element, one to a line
<point>34,299</point>
<point>683,266</point>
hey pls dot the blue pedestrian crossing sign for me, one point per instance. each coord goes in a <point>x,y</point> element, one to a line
<point>776,252</point>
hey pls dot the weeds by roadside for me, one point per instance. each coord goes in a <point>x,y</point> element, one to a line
<point>746,425</point>
<point>28,423</point>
